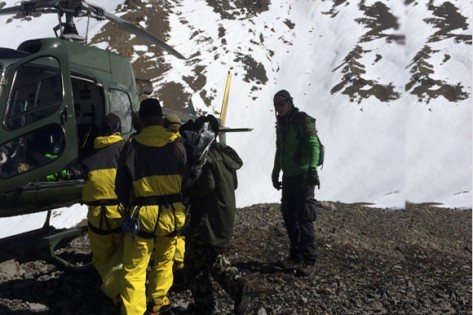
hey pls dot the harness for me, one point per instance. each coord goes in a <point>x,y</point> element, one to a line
<point>103,203</point>
<point>167,201</point>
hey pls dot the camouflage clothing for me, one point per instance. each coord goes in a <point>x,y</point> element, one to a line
<point>203,260</point>
<point>212,200</point>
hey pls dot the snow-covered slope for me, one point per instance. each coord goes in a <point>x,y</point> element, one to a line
<point>388,82</point>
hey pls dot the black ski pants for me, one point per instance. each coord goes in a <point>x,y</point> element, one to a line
<point>298,211</point>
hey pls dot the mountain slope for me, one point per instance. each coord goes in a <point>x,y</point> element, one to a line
<point>389,83</point>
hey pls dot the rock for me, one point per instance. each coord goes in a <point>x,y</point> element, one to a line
<point>358,267</point>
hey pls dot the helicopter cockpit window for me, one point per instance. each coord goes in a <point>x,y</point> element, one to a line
<point>36,92</point>
<point>120,104</point>
<point>31,150</point>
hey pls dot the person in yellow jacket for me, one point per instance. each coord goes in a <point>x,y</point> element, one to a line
<point>150,174</point>
<point>172,123</point>
<point>103,216</point>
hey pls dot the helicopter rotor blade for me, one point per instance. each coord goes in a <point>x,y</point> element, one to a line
<point>11,10</point>
<point>133,29</point>
<point>82,8</point>
<point>29,7</point>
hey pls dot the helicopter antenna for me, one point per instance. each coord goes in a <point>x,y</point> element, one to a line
<point>87,29</point>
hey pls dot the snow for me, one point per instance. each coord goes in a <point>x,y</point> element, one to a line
<point>379,153</point>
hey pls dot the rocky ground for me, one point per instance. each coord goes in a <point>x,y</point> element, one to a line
<point>370,261</point>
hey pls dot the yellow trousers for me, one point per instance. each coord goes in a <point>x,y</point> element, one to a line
<point>107,251</point>
<point>180,251</point>
<point>136,257</point>
<point>137,253</point>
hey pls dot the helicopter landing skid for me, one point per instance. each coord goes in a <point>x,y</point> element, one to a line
<point>52,241</point>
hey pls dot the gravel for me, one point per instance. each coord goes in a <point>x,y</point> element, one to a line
<point>370,261</point>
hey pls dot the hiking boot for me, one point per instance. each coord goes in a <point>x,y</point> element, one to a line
<point>242,299</point>
<point>306,270</point>
<point>289,263</point>
<point>159,307</point>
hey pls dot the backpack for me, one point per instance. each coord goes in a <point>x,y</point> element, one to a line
<point>198,136</point>
<point>321,152</point>
<point>301,117</point>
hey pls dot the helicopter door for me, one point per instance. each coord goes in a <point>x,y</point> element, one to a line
<point>38,137</point>
<point>89,108</point>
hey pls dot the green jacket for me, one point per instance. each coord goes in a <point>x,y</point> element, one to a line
<point>213,197</point>
<point>297,145</point>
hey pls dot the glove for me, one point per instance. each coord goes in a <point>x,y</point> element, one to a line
<point>313,178</point>
<point>69,174</point>
<point>66,174</point>
<point>276,183</point>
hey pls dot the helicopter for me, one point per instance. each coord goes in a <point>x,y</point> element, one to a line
<point>54,93</point>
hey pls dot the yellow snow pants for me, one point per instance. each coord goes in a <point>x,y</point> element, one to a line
<point>107,248</point>
<point>136,257</point>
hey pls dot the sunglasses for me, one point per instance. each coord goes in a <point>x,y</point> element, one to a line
<point>280,103</point>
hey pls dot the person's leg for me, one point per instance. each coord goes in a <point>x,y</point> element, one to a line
<point>198,262</point>
<point>179,255</point>
<point>136,254</point>
<point>112,284</point>
<point>161,276</point>
<point>102,249</point>
<point>289,214</point>
<point>306,216</point>
<point>231,281</point>
<point>103,242</point>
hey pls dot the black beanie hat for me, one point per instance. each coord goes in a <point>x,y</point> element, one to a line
<point>111,124</point>
<point>285,94</point>
<point>150,108</point>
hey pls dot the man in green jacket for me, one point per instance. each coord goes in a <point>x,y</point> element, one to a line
<point>297,155</point>
<point>212,210</point>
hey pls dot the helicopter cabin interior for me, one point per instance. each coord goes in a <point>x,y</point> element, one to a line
<point>38,124</point>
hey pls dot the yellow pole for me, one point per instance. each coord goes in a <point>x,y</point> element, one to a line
<point>223,112</point>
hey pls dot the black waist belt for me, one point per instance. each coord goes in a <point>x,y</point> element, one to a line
<point>162,200</point>
<point>98,231</point>
<point>144,234</point>
<point>149,235</point>
<point>102,202</point>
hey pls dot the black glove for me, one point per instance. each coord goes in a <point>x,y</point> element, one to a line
<point>313,178</point>
<point>276,183</point>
